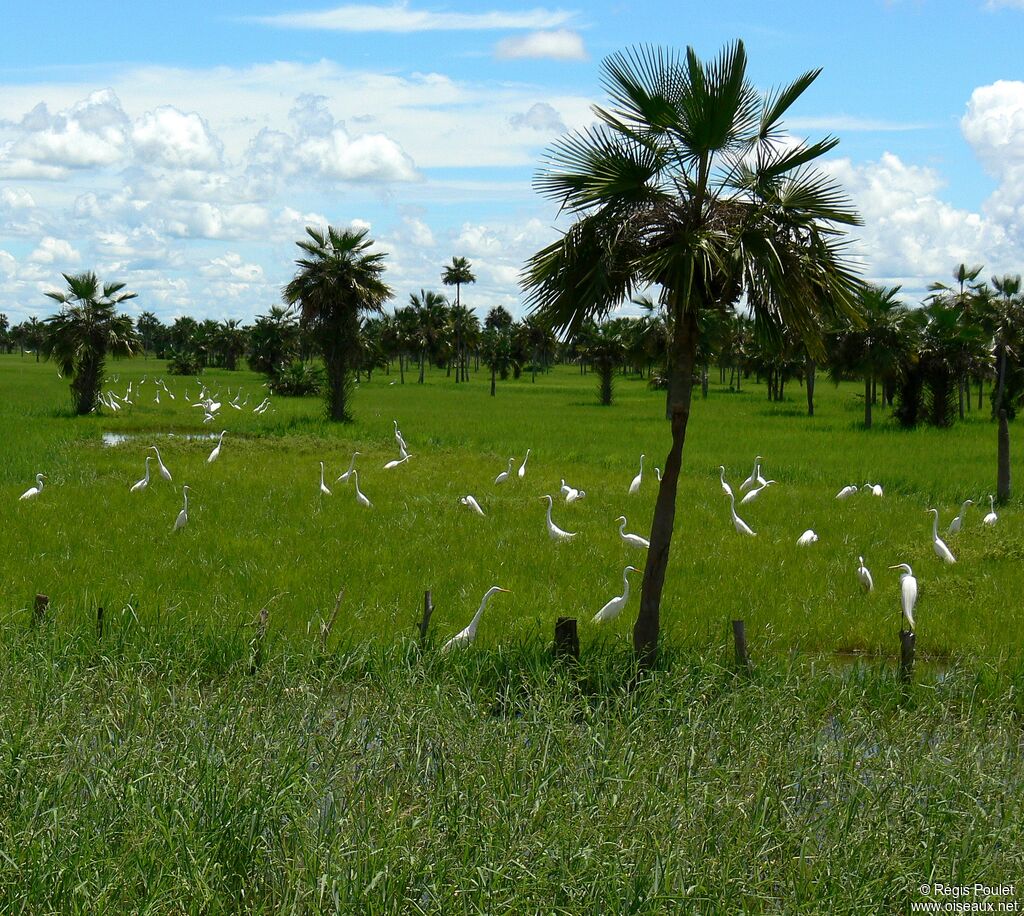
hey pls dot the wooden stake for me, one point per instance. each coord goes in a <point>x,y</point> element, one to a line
<point>567,640</point>
<point>739,638</point>
<point>99,622</point>
<point>428,609</point>
<point>39,612</point>
<point>908,643</point>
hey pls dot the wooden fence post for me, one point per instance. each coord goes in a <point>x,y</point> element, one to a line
<point>39,611</point>
<point>428,609</point>
<point>908,644</point>
<point>567,640</point>
<point>739,638</point>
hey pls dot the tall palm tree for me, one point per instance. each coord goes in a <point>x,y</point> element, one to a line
<point>1004,317</point>
<point>337,284</point>
<point>686,183</point>
<point>431,311</point>
<point>455,274</point>
<point>87,329</point>
<point>463,326</point>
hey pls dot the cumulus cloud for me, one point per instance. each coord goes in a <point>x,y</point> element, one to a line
<point>994,124</point>
<point>16,199</point>
<point>171,138</point>
<point>400,17</point>
<point>7,263</point>
<point>51,250</point>
<point>561,44</point>
<point>540,117</point>
<point>232,266</point>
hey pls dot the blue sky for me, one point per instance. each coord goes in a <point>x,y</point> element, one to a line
<point>183,147</point>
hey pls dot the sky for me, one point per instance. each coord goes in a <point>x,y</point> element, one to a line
<point>182,148</point>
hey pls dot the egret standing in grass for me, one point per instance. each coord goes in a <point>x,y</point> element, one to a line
<point>142,484</point>
<point>360,495</point>
<point>634,540</point>
<point>958,522</point>
<point>941,550</point>
<point>163,470</point>
<point>182,518</point>
<point>33,492</point>
<point>472,503</point>
<point>557,534</point>
<point>522,467</point>
<point>614,607</point>
<point>847,492</point>
<point>726,489</point>
<point>634,485</point>
<point>908,593</point>
<point>215,454</point>
<point>753,494</point>
<point>875,489</point>
<point>344,477</point>
<point>396,462</point>
<point>741,526</point>
<point>574,495</point>
<point>504,475</point>
<point>864,576</point>
<point>991,518</point>
<point>323,486</point>
<point>807,538</point>
<point>466,636</point>
<point>754,477</point>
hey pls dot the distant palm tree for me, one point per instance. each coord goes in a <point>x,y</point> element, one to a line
<point>457,273</point>
<point>605,349</point>
<point>1005,316</point>
<point>337,284</point>
<point>85,331</point>
<point>689,183</point>
<point>431,311</point>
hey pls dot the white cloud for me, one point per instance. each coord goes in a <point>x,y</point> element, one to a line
<point>561,44</point>
<point>7,263</point>
<point>188,219</point>
<point>16,199</point>
<point>417,232</point>
<point>994,124</point>
<point>400,17</point>
<point>171,138</point>
<point>540,117</point>
<point>232,266</point>
<point>52,251</point>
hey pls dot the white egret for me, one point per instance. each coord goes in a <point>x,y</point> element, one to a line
<point>755,475</point>
<point>726,489</point>
<point>182,518</point>
<point>908,593</point>
<point>991,518</point>
<point>957,523</point>
<point>753,494</point>
<point>215,454</point>
<point>466,636</point>
<point>847,492</point>
<point>522,467</point>
<point>874,488</point>
<point>397,462</point>
<point>472,503</point>
<point>741,526</point>
<point>403,452</point>
<point>323,486</point>
<point>160,463</point>
<point>360,495</point>
<point>574,495</point>
<point>157,398</point>
<point>352,466</point>
<point>941,550</point>
<point>808,537</point>
<point>557,534</point>
<point>504,475</point>
<point>33,492</point>
<point>614,607</point>
<point>142,484</point>
<point>864,576</point>
<point>657,473</point>
<point>634,485</point>
<point>565,488</point>
<point>634,540</point>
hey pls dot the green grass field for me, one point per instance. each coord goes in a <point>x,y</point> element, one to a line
<point>148,770</point>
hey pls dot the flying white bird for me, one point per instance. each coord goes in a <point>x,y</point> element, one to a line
<point>504,475</point>
<point>741,526</point>
<point>397,462</point>
<point>957,523</point>
<point>908,593</point>
<point>753,494</point>
<point>941,550</point>
<point>182,518</point>
<point>323,486</point>
<point>352,465</point>
<point>634,540</point>
<point>466,636</point>
<point>874,488</point>
<point>557,534</point>
<point>522,467</point>
<point>726,489</point>
<point>33,492</point>
<point>360,495</point>
<point>163,470</point>
<point>634,485</point>
<point>472,503</point>
<point>614,607</point>
<point>215,454</point>
<point>864,576</point>
<point>808,537</point>
<point>991,518</point>
<point>142,484</point>
<point>847,492</point>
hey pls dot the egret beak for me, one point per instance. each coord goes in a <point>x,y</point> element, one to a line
<point>897,566</point>
<point>508,590</point>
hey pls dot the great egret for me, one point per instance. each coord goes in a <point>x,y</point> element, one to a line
<point>634,540</point>
<point>504,475</point>
<point>360,495</point>
<point>908,592</point>
<point>323,486</point>
<point>574,495</point>
<point>874,488</point>
<point>753,494</point>
<point>808,537</point>
<point>657,473</point>
<point>163,470</point>
<point>397,462</point>
<point>864,576</point>
<point>466,636</point>
<point>522,467</point>
<point>557,534</point>
<point>847,492</point>
<point>614,607</point>
<point>215,454</point>
<point>941,550</point>
<point>754,477</point>
<point>565,488</point>
<point>634,485</point>
<point>957,523</point>
<point>403,452</point>
<point>344,477</point>
<point>991,518</point>
<point>142,484</point>
<point>472,503</point>
<point>33,492</point>
<point>741,526</point>
<point>182,518</point>
<point>726,489</point>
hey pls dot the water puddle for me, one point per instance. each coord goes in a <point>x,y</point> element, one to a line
<point>110,440</point>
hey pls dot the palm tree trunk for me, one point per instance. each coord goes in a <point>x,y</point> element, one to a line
<point>1001,385</point>
<point>867,400</point>
<point>648,621</point>
<point>810,386</point>
<point>423,365</point>
<point>493,372</point>
<point>1003,470</point>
